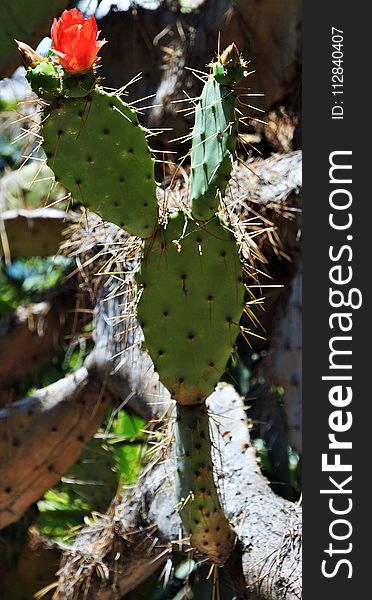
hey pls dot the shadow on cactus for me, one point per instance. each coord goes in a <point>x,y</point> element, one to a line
<point>190,284</point>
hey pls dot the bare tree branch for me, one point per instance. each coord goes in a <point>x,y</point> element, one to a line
<point>42,436</point>
<point>137,534</point>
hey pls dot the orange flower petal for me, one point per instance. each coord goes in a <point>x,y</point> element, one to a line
<point>75,41</point>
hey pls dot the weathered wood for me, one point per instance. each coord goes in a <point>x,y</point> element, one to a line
<point>26,233</point>
<point>139,531</point>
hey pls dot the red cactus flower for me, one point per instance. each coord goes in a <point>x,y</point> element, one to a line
<point>75,41</point>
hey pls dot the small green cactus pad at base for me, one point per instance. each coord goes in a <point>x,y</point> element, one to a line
<point>213,144</point>
<point>191,304</point>
<point>44,80</point>
<point>199,505</point>
<point>99,152</point>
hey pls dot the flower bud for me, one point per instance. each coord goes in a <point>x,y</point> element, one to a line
<point>230,56</point>
<point>29,57</point>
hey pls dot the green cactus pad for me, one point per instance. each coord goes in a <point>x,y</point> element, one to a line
<point>199,505</point>
<point>213,144</point>
<point>191,303</point>
<point>45,80</point>
<point>98,151</point>
<point>78,86</point>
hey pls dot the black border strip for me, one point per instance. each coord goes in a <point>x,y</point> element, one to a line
<point>321,136</point>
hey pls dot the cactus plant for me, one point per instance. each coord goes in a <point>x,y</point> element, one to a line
<point>99,152</point>
<point>191,292</point>
<point>199,505</point>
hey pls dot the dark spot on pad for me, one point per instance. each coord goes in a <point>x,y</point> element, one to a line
<point>106,131</point>
<point>210,298</point>
<point>160,352</point>
<point>218,528</point>
<point>198,446</point>
<point>181,380</point>
<point>205,543</point>
<point>121,179</point>
<point>191,337</point>
<point>59,132</point>
<point>80,438</point>
<point>78,181</point>
<point>211,364</point>
<point>54,428</point>
<point>131,151</point>
<point>8,489</point>
<point>223,254</point>
<point>165,313</point>
<point>116,204</point>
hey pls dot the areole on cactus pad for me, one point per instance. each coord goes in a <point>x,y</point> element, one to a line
<point>190,284</point>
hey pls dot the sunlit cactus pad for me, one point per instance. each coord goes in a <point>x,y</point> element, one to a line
<point>213,144</point>
<point>99,152</point>
<point>191,304</point>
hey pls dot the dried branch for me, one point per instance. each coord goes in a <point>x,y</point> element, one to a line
<point>139,531</point>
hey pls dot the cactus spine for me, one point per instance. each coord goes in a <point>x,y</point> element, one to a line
<point>191,294</point>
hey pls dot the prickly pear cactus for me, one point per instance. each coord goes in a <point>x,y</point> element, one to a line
<point>199,505</point>
<point>192,298</point>
<point>191,292</point>
<point>99,152</point>
<point>215,135</point>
